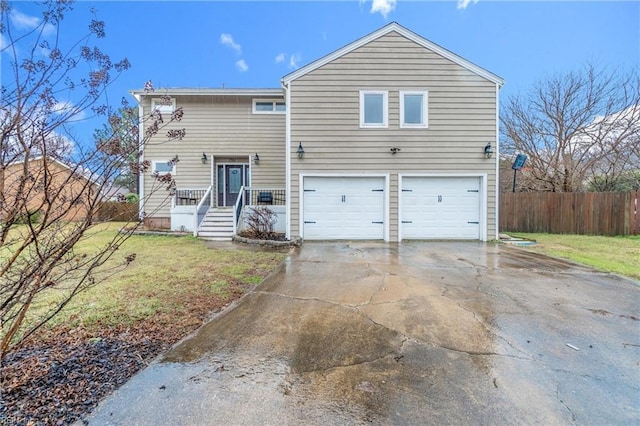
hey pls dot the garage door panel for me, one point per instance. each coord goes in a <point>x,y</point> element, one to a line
<point>440,208</point>
<point>343,208</point>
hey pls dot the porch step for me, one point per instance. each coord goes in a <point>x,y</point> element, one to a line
<point>217,225</point>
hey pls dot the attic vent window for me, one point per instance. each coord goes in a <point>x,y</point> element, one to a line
<point>164,105</point>
<point>266,106</point>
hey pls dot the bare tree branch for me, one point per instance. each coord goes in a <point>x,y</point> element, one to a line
<point>51,185</point>
<point>574,128</point>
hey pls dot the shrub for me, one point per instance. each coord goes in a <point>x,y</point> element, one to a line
<point>260,223</point>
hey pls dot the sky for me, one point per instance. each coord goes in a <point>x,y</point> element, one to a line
<point>243,44</point>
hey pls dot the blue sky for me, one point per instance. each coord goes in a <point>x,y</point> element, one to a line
<point>253,44</point>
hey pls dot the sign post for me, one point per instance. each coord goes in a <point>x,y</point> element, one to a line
<point>517,165</point>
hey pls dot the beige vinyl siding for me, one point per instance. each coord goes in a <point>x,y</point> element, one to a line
<point>325,112</point>
<point>225,128</point>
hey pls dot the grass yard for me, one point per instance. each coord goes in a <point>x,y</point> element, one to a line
<point>170,278</point>
<point>620,255</point>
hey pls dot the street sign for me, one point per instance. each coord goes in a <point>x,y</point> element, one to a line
<point>520,159</point>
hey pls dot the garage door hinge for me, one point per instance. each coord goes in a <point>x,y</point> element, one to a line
<point>407,190</point>
<point>309,221</point>
<point>477,223</point>
<point>407,221</point>
<point>309,190</point>
<point>377,190</point>
<point>473,190</point>
<point>373,221</point>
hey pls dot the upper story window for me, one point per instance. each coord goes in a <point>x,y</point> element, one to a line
<point>266,106</point>
<point>163,167</point>
<point>374,108</point>
<point>413,109</point>
<point>164,105</point>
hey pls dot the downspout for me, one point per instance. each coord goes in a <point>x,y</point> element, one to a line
<point>497,184</point>
<point>286,87</point>
<point>141,200</point>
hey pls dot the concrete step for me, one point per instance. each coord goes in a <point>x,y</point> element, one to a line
<point>215,235</point>
<point>217,225</point>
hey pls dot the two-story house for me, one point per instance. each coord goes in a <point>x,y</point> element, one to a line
<point>388,138</point>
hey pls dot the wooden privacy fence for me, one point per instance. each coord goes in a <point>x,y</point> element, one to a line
<point>585,213</point>
<point>118,212</point>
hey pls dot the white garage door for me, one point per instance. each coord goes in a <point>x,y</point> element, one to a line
<point>440,208</point>
<point>340,208</point>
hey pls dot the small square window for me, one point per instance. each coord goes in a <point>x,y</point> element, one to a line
<point>413,109</point>
<point>163,167</point>
<point>261,106</point>
<point>373,108</point>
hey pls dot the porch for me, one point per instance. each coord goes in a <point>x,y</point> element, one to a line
<point>211,215</point>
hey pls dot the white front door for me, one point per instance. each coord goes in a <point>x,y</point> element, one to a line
<point>440,208</point>
<point>340,208</point>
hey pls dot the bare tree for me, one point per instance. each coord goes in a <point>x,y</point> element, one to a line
<point>52,185</point>
<point>574,127</point>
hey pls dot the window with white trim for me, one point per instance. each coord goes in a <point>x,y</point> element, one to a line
<point>163,105</point>
<point>374,108</point>
<point>163,167</point>
<point>268,106</point>
<point>414,109</point>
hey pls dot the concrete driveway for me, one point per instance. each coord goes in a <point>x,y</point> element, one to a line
<point>421,333</point>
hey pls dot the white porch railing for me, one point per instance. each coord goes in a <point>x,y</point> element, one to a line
<point>201,210</point>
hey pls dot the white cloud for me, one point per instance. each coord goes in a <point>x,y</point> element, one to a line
<point>462,4</point>
<point>242,66</point>
<point>227,40</point>
<point>67,108</point>
<point>22,21</point>
<point>294,61</point>
<point>280,58</point>
<point>25,22</point>
<point>384,7</point>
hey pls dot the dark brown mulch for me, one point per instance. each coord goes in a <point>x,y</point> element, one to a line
<point>57,382</point>
<point>62,375</point>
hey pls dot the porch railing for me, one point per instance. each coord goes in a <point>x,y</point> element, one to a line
<point>201,209</point>
<point>237,208</point>
<point>257,197</point>
<point>189,197</point>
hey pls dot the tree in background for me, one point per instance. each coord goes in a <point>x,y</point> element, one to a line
<point>125,126</point>
<point>580,130</point>
<point>51,185</point>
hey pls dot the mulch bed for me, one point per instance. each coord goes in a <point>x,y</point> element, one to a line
<point>60,376</point>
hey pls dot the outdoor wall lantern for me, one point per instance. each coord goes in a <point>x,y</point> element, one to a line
<point>488,150</point>
<point>300,151</point>
<point>203,158</point>
<point>256,159</point>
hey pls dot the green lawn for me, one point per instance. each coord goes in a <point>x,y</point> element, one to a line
<point>620,255</point>
<point>172,280</point>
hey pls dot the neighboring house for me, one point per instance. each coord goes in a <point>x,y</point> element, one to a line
<point>383,139</point>
<point>115,193</point>
<point>69,191</point>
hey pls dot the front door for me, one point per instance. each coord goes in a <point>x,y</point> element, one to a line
<point>231,177</point>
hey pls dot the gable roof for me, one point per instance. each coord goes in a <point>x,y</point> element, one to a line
<point>394,26</point>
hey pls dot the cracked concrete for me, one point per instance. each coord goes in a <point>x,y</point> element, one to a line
<point>421,333</point>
